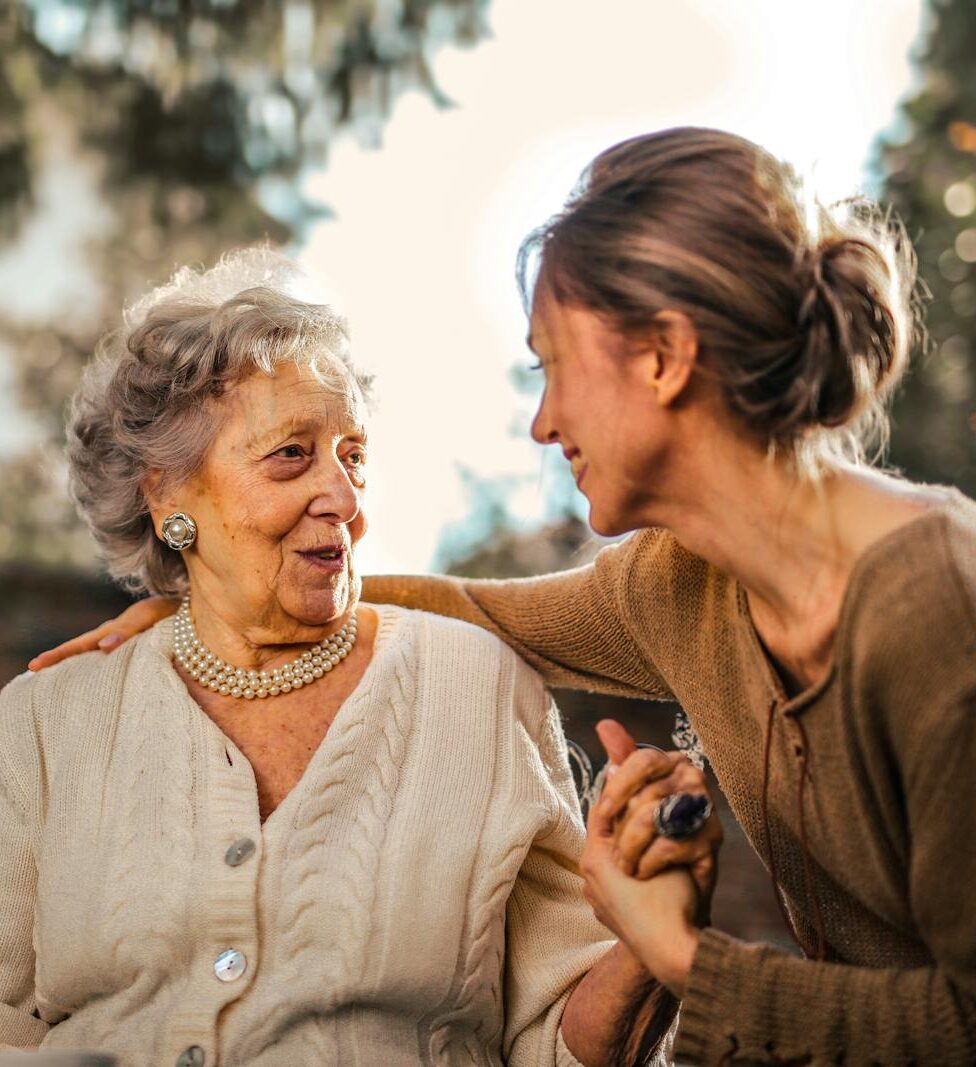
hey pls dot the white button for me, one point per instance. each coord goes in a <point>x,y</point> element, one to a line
<point>230,965</point>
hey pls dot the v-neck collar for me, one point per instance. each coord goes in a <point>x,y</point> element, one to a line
<point>349,709</point>
<point>857,579</point>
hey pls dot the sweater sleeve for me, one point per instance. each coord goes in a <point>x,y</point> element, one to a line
<point>571,626</point>
<point>552,937</point>
<point>753,1004</point>
<point>19,1026</point>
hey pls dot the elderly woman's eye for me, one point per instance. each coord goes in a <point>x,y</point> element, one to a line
<point>356,459</point>
<point>290,452</point>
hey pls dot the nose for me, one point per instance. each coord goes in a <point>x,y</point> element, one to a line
<point>543,430</point>
<point>334,496</point>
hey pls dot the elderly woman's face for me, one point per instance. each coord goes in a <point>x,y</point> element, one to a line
<point>278,502</point>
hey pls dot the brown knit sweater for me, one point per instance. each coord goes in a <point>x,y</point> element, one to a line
<point>873,766</point>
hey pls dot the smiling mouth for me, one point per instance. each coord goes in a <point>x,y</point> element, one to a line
<point>578,466</point>
<point>326,555</point>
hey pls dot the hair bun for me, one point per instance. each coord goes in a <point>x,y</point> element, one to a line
<point>804,330</point>
<point>852,325</point>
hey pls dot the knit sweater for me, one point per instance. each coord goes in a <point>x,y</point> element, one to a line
<point>413,900</point>
<point>871,809</point>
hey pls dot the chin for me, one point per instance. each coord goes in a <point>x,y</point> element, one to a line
<point>607,524</point>
<point>319,607</point>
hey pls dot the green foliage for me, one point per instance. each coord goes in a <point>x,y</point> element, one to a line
<point>931,181</point>
<point>191,123</point>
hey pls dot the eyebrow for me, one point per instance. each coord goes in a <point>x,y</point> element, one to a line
<point>264,438</point>
<point>294,427</point>
<point>529,342</point>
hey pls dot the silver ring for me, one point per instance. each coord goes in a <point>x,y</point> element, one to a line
<point>681,815</point>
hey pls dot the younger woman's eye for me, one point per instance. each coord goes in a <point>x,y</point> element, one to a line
<point>536,366</point>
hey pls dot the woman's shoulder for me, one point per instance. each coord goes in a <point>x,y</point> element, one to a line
<point>93,682</point>
<point>464,637</point>
<point>912,599</point>
<point>932,555</point>
<point>459,655</point>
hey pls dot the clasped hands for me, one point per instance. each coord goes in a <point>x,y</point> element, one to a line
<point>654,893</point>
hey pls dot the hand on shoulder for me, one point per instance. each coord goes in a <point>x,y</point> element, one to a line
<point>138,617</point>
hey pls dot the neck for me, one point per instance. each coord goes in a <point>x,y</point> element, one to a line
<point>265,640</point>
<point>791,542</point>
<point>781,537</point>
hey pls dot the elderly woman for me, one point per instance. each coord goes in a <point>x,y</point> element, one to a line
<point>282,827</point>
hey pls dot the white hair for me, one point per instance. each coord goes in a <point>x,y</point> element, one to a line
<point>148,400</point>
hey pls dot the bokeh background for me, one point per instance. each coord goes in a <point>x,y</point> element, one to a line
<point>400,149</point>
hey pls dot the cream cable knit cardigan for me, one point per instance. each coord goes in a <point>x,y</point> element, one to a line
<point>414,900</point>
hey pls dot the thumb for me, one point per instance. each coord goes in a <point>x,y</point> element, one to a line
<point>616,741</point>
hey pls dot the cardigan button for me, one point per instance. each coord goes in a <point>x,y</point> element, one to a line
<point>194,1056</point>
<point>239,851</point>
<point>230,965</point>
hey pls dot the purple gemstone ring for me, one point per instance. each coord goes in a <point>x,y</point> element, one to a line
<point>681,815</point>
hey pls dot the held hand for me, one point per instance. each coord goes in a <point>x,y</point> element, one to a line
<point>136,618</point>
<point>653,918</point>
<point>630,800</point>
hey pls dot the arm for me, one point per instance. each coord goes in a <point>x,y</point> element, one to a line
<point>19,1027</point>
<point>553,1017</point>
<point>752,1003</point>
<point>569,626</point>
<point>618,1014</point>
<point>136,618</point>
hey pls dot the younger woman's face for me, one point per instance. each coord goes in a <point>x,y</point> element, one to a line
<point>599,405</point>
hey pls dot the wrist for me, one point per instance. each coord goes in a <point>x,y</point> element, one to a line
<point>628,964</point>
<point>669,957</point>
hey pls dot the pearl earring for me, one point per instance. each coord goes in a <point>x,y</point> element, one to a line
<point>179,531</point>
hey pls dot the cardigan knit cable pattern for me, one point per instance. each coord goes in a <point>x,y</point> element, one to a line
<point>870,810</point>
<point>413,900</point>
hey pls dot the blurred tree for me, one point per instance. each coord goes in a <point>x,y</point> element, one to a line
<point>930,178</point>
<point>136,135</point>
<point>507,552</point>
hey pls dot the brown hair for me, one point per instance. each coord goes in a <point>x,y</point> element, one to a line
<point>805,318</point>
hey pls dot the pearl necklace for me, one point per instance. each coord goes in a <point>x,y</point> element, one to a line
<point>209,669</point>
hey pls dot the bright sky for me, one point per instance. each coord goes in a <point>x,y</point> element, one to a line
<point>421,254</point>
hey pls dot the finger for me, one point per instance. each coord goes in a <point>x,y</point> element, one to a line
<point>599,824</point>
<point>683,779</point>
<point>664,852</point>
<point>634,837</point>
<point>136,618</point>
<point>616,741</point>
<point>635,830</point>
<point>86,642</point>
<point>597,859</point>
<point>705,873</point>
<point>143,614</point>
<point>689,779</point>
<point>643,766</point>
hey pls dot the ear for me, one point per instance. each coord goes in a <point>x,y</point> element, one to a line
<point>676,347</point>
<point>153,489</point>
